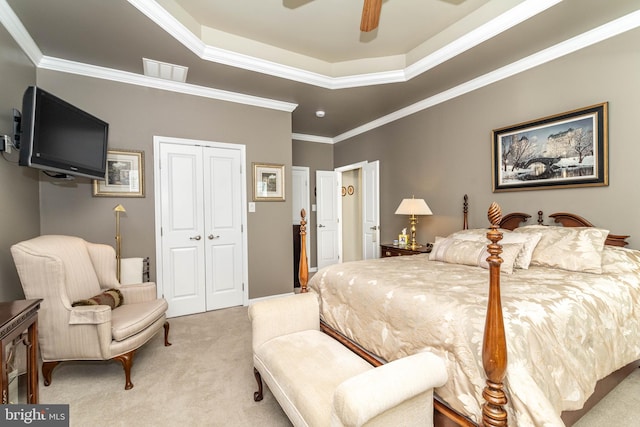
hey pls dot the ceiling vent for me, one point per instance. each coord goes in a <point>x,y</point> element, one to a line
<point>164,70</point>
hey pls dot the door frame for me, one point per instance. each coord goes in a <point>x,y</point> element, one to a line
<point>307,205</point>
<point>339,171</point>
<point>157,141</point>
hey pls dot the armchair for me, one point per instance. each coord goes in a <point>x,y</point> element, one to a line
<point>65,269</point>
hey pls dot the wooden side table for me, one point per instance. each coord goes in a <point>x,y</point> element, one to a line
<point>19,323</point>
<point>389,250</point>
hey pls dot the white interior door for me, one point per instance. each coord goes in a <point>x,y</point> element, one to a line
<point>182,261</point>
<point>223,227</point>
<point>371,210</point>
<point>327,218</point>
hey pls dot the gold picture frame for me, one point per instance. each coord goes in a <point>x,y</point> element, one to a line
<point>268,182</point>
<point>124,176</point>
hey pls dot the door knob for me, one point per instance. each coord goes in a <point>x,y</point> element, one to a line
<point>211,237</point>
<point>374,227</point>
<point>198,237</point>
<point>320,225</point>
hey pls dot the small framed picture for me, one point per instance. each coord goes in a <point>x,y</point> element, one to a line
<point>124,176</point>
<point>403,239</point>
<point>268,182</point>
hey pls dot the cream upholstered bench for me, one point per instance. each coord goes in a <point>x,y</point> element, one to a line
<point>319,382</point>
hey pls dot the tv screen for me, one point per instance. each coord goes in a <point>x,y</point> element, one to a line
<point>59,137</point>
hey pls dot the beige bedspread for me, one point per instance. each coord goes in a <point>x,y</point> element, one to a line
<point>565,330</point>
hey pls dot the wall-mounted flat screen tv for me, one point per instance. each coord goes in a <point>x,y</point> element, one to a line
<point>61,138</point>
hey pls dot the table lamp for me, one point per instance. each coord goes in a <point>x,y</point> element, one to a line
<point>413,207</point>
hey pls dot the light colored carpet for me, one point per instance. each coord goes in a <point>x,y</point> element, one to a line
<point>206,379</point>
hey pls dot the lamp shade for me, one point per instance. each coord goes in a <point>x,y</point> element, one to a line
<point>413,207</point>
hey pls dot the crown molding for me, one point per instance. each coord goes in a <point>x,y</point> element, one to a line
<point>312,138</point>
<point>14,26</point>
<point>182,34</point>
<point>596,35</point>
<point>17,30</point>
<point>71,67</point>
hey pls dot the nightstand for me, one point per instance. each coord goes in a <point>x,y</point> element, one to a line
<point>389,249</point>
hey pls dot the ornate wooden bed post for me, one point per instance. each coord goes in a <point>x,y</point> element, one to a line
<point>465,211</point>
<point>494,349</point>
<point>303,270</point>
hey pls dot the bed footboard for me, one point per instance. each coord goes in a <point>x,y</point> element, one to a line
<point>494,354</point>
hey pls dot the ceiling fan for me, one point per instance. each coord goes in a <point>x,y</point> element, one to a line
<point>370,15</point>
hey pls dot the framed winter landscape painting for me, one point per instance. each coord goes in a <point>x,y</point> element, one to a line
<point>564,150</point>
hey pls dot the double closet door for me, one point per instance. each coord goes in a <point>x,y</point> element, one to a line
<point>202,254</point>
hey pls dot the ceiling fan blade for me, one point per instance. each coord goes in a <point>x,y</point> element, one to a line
<point>370,15</point>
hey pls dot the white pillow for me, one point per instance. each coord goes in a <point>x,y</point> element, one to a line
<point>528,240</point>
<point>568,248</point>
<point>469,252</point>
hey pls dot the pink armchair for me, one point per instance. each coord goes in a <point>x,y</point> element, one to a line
<point>65,269</point>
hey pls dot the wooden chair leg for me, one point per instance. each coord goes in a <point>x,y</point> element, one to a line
<point>257,396</point>
<point>127,361</point>
<point>47,369</point>
<point>166,334</point>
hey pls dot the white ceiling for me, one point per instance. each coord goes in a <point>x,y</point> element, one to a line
<point>304,55</point>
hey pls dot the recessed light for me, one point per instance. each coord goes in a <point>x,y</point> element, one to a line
<point>320,113</point>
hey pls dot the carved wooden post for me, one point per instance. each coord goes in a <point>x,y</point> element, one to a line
<point>303,268</point>
<point>494,349</point>
<point>465,211</point>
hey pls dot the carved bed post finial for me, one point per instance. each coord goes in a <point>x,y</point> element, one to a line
<point>494,348</point>
<point>465,211</point>
<point>303,268</point>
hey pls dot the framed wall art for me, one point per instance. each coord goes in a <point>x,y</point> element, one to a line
<point>268,182</point>
<point>124,176</point>
<point>564,150</point>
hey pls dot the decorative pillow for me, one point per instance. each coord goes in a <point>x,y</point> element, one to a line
<point>473,234</point>
<point>528,240</point>
<point>469,252</point>
<point>568,248</point>
<point>616,260</point>
<point>111,297</point>
<point>529,243</point>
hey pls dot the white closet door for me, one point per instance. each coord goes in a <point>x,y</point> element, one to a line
<point>183,260</point>
<point>223,225</point>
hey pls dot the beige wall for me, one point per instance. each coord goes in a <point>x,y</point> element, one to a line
<point>19,209</point>
<point>445,151</point>
<point>439,154</point>
<point>316,156</point>
<point>135,114</point>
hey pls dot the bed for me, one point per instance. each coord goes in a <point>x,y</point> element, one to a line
<point>570,317</point>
